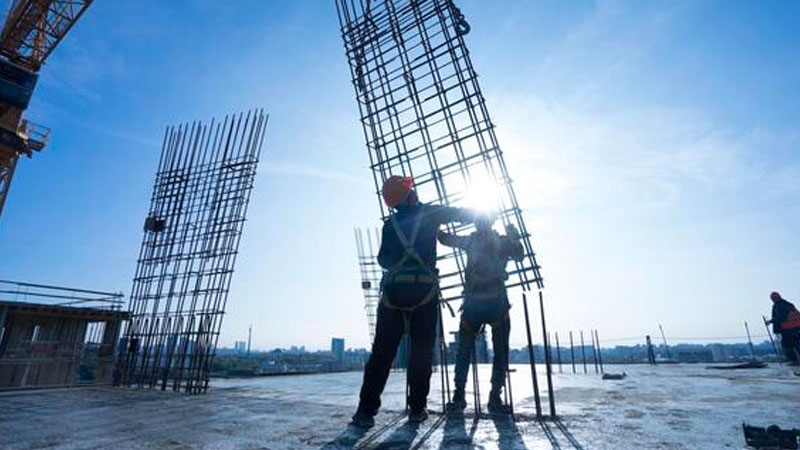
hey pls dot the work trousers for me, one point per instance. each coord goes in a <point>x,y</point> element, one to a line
<point>470,325</point>
<point>389,331</point>
<point>790,341</point>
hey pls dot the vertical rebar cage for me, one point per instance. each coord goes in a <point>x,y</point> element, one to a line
<point>424,116</point>
<point>368,241</point>
<point>191,238</point>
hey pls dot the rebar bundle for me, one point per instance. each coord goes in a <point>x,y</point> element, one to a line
<point>187,257</point>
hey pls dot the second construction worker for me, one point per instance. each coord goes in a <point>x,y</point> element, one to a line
<point>786,322</point>
<point>409,297</point>
<point>485,302</point>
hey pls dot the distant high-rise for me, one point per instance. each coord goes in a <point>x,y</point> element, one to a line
<point>481,348</point>
<point>337,348</point>
<point>240,347</point>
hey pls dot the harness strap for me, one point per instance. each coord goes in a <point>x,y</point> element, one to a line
<point>407,244</point>
<point>411,253</point>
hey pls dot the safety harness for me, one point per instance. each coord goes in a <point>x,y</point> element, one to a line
<point>792,321</point>
<point>403,277</point>
<point>485,280</point>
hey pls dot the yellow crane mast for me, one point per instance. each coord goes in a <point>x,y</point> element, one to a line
<point>31,32</point>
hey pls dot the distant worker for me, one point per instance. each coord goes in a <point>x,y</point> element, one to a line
<point>485,302</point>
<point>409,297</point>
<point>786,322</point>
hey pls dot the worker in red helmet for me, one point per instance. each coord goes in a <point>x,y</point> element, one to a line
<point>409,297</point>
<point>786,322</point>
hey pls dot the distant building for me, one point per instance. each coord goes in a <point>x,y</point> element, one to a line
<point>696,355</point>
<point>240,347</point>
<point>65,341</point>
<point>481,349</point>
<point>295,350</point>
<point>356,357</point>
<point>337,349</point>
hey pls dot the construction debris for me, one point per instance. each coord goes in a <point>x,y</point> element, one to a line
<point>615,376</point>
<point>771,437</point>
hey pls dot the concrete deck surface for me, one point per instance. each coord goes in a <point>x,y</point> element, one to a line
<point>670,407</point>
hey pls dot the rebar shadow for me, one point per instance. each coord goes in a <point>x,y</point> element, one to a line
<point>567,434</point>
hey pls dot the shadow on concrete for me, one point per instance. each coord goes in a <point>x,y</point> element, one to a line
<point>458,432</point>
<point>455,433</point>
<point>550,435</point>
<point>509,436</point>
<point>355,437</point>
<point>347,439</point>
<point>401,438</point>
<point>563,428</point>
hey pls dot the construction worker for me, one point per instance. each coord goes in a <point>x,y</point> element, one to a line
<point>786,322</point>
<point>409,297</point>
<point>485,302</point>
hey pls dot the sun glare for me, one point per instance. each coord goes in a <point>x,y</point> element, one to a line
<point>482,193</point>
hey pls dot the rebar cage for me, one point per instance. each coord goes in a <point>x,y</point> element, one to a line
<point>424,116</point>
<point>191,238</point>
<point>368,242</point>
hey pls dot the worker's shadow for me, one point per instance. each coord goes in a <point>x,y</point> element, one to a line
<point>455,433</point>
<point>401,438</point>
<point>509,436</point>
<point>347,439</point>
<point>457,436</point>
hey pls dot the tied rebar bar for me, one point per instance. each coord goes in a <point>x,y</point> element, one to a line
<point>187,257</point>
<point>423,115</point>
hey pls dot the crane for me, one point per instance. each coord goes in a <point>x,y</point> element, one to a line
<point>32,30</point>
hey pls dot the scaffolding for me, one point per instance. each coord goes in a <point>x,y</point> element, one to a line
<point>368,241</point>
<point>191,239</point>
<point>423,115</point>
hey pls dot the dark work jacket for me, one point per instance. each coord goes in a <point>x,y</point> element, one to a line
<point>487,256</point>
<point>432,217</point>
<point>780,311</point>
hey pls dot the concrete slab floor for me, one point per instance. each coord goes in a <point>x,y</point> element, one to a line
<point>671,407</point>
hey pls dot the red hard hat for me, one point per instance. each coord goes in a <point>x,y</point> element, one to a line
<point>396,189</point>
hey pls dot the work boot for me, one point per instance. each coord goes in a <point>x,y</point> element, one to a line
<point>496,405</point>
<point>458,403</point>
<point>362,420</point>
<point>417,415</point>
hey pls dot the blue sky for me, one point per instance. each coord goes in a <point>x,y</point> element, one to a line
<point>655,147</point>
